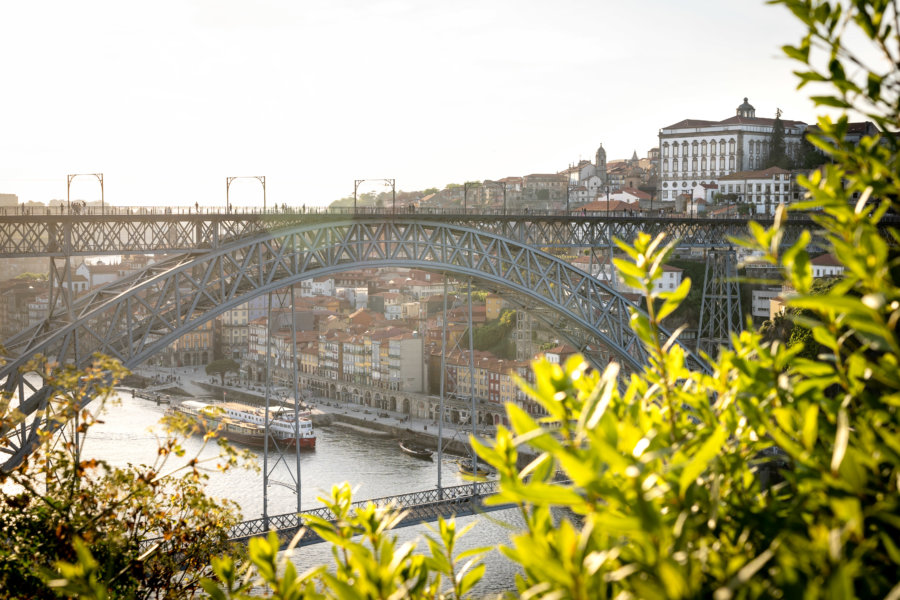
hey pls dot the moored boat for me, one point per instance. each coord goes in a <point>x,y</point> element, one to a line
<point>466,468</point>
<point>245,424</point>
<point>415,450</point>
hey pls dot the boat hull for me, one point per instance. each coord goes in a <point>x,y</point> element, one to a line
<point>416,452</point>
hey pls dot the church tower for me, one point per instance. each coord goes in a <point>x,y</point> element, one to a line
<point>601,164</point>
<point>746,110</point>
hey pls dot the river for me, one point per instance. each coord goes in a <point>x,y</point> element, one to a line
<point>374,466</point>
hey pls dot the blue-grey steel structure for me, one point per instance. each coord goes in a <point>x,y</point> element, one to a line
<point>221,260</point>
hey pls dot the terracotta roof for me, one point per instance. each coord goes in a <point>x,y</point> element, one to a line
<point>737,120</point>
<point>690,123</point>
<point>764,174</point>
<point>826,260</point>
<point>637,193</point>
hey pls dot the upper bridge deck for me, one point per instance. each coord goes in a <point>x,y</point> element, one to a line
<point>160,230</point>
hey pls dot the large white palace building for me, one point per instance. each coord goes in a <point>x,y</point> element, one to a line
<point>694,152</point>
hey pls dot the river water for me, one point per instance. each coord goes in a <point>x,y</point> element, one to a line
<point>375,467</point>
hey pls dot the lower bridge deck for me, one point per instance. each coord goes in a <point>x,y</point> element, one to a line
<point>421,507</point>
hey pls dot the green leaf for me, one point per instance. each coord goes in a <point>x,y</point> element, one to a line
<point>674,298</point>
<point>701,459</point>
<point>830,101</point>
<point>810,426</point>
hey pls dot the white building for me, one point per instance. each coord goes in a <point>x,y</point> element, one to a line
<point>762,300</point>
<point>320,286</point>
<point>764,190</point>
<point>696,151</point>
<point>826,266</point>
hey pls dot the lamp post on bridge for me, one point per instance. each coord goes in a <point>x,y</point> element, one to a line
<point>503,187</point>
<point>390,182</point>
<point>228,180</point>
<point>69,179</point>
<point>607,202</point>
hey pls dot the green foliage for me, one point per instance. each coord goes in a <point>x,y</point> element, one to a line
<point>221,366</point>
<point>495,336</point>
<point>76,526</point>
<point>688,312</point>
<point>32,276</point>
<point>368,562</point>
<point>776,475</point>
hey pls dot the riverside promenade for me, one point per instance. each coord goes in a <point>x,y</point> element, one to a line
<point>193,382</point>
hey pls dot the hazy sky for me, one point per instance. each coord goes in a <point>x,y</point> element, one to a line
<point>168,98</point>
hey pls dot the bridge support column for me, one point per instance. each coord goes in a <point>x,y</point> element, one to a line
<point>720,309</point>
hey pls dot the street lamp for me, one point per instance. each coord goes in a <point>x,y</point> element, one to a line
<point>607,202</point>
<point>465,197</point>
<point>503,187</point>
<point>69,179</point>
<point>390,182</point>
<point>228,180</point>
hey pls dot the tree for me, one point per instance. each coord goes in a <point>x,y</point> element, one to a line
<point>139,531</point>
<point>778,156</point>
<point>222,366</point>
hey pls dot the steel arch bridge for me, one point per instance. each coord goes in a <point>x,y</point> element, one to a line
<point>134,318</point>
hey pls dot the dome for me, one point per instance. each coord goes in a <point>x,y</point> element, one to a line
<point>746,109</point>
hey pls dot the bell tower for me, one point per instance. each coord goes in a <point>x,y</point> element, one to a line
<point>601,163</point>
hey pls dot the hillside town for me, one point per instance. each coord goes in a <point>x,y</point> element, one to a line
<point>384,328</point>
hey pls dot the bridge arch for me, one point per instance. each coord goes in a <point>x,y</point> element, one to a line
<point>136,317</point>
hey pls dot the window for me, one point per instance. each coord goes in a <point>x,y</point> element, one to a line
<point>722,150</point>
<point>731,162</point>
<point>694,163</point>
<point>684,164</point>
<point>721,163</point>
<point>712,148</point>
<point>731,146</point>
<point>703,162</point>
<point>666,149</point>
<point>703,148</point>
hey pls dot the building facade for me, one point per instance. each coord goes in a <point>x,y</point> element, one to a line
<point>693,151</point>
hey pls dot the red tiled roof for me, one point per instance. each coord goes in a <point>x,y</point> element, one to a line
<point>826,260</point>
<point>763,174</point>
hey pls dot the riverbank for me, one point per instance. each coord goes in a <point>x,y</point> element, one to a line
<point>326,413</point>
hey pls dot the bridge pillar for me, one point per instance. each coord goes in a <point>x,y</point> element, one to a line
<point>720,309</point>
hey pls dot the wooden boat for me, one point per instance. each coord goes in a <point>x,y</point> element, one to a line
<point>415,450</point>
<point>465,467</point>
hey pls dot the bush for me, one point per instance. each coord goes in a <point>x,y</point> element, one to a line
<point>79,526</point>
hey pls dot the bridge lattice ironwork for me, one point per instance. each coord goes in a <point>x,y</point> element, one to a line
<point>134,318</point>
<point>160,232</point>
<point>421,507</point>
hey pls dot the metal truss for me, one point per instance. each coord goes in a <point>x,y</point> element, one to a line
<point>422,507</point>
<point>134,318</point>
<point>159,233</point>
<point>720,309</point>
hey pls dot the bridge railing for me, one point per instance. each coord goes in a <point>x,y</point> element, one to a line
<point>414,500</point>
<point>248,211</point>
